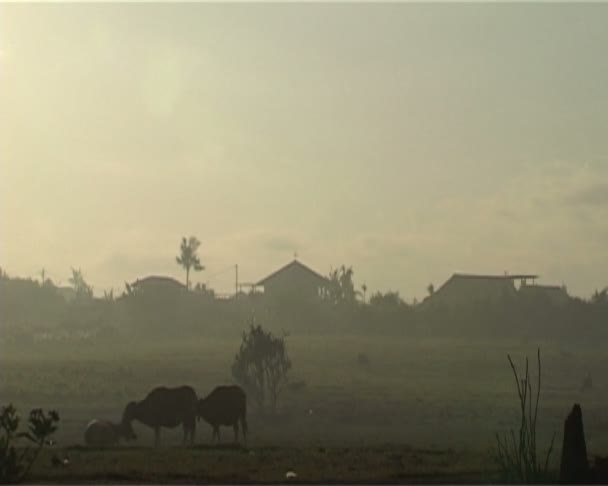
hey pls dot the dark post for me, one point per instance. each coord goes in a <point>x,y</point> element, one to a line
<point>574,468</point>
<point>236,282</point>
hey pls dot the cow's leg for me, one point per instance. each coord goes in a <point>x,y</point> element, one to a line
<point>244,428</point>
<point>236,431</point>
<point>192,433</point>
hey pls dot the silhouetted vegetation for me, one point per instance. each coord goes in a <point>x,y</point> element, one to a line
<point>16,462</point>
<point>261,366</point>
<point>341,287</point>
<point>81,287</point>
<point>188,257</point>
<point>42,312</point>
<point>517,453</point>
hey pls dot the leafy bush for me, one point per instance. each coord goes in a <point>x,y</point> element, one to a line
<point>516,454</point>
<point>363,359</point>
<point>261,366</point>
<point>16,463</point>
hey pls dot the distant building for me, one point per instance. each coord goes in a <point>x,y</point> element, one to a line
<point>553,293</point>
<point>156,284</point>
<point>465,288</point>
<point>294,279</point>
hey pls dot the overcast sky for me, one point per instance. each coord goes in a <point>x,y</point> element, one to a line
<point>410,141</point>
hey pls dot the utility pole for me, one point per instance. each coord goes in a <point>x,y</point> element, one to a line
<point>236,282</point>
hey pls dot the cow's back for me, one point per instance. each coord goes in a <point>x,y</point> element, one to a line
<point>169,407</point>
<point>226,404</point>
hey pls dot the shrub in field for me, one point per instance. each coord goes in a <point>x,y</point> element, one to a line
<point>261,366</point>
<point>516,453</point>
<point>15,463</point>
<point>363,359</point>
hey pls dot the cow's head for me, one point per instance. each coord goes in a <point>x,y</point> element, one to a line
<point>127,432</point>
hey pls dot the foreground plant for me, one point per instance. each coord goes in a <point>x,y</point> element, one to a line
<point>261,365</point>
<point>15,463</point>
<point>517,453</point>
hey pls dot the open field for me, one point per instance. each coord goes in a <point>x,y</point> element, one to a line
<point>203,464</point>
<point>416,395</point>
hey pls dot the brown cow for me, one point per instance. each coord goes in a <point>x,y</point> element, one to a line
<point>225,405</point>
<point>165,407</point>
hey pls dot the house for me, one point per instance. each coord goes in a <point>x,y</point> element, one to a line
<point>294,280</point>
<point>552,293</point>
<point>155,284</point>
<point>466,288</point>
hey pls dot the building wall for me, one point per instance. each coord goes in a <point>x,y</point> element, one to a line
<point>293,283</point>
<point>460,290</point>
<point>555,295</point>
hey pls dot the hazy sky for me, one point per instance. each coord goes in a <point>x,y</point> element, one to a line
<point>410,141</point>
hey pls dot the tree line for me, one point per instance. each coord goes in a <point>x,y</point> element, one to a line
<point>34,306</point>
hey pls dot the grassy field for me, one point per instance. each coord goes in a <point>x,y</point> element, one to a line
<point>413,396</point>
<point>204,464</point>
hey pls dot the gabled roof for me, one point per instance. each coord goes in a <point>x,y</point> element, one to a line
<point>294,265</point>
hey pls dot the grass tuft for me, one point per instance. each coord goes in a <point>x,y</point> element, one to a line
<point>516,453</point>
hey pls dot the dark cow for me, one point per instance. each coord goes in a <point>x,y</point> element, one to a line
<point>225,405</point>
<point>165,407</point>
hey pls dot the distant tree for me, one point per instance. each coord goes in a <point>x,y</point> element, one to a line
<point>261,366</point>
<point>600,297</point>
<point>188,257</point>
<point>341,286</point>
<point>77,281</point>
<point>364,289</point>
<point>430,289</point>
<point>389,299</point>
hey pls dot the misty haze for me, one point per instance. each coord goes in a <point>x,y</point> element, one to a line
<point>297,242</point>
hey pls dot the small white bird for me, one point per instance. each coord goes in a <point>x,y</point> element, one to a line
<point>290,475</point>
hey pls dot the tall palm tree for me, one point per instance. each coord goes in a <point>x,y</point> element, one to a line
<point>188,257</point>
